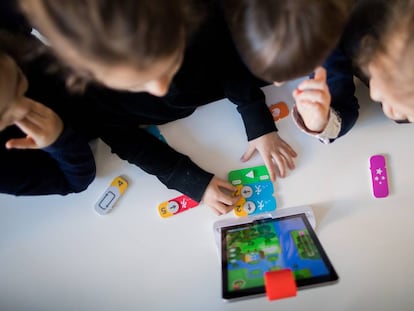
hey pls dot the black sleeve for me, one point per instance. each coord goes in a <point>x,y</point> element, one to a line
<point>172,168</point>
<point>243,89</point>
<point>66,166</point>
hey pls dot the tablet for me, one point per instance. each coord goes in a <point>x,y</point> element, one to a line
<point>248,250</point>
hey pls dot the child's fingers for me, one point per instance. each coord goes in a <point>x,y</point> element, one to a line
<point>226,185</point>
<point>311,84</point>
<point>37,120</point>
<point>40,114</point>
<point>225,194</point>
<point>289,158</point>
<point>21,143</point>
<point>312,96</point>
<point>295,95</point>
<point>285,157</point>
<point>15,113</point>
<point>28,127</point>
<point>225,200</point>
<point>248,154</point>
<point>290,151</point>
<point>216,211</point>
<point>281,164</point>
<point>270,168</point>
<point>221,208</point>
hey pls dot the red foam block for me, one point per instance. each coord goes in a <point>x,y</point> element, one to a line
<point>280,284</point>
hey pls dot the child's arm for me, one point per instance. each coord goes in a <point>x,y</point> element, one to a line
<point>68,167</point>
<point>326,106</point>
<point>241,87</point>
<point>175,170</point>
<point>64,165</point>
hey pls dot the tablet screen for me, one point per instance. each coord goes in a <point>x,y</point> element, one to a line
<point>249,250</point>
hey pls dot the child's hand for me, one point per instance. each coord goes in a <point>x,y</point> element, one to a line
<point>13,112</point>
<point>313,101</point>
<point>218,196</point>
<point>41,125</point>
<point>274,150</point>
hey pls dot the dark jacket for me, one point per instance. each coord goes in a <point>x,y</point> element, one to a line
<point>211,70</point>
<point>366,19</point>
<point>64,167</point>
<point>68,164</point>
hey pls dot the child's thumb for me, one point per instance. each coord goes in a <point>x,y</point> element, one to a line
<point>320,74</point>
<point>21,143</point>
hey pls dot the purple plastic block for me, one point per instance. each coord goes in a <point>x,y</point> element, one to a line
<point>379,176</point>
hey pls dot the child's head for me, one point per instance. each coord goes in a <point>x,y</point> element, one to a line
<point>128,45</point>
<point>389,63</point>
<point>282,40</point>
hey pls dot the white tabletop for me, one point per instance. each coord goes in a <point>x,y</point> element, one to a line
<point>57,253</point>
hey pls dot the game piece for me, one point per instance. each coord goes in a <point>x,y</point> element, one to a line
<point>111,195</point>
<point>175,206</point>
<point>255,190</point>
<point>379,176</point>
<point>280,284</point>
<point>279,111</point>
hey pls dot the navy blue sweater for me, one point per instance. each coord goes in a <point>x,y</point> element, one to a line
<point>366,19</point>
<point>211,70</point>
<point>64,167</point>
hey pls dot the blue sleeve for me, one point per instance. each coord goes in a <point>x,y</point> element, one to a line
<point>340,80</point>
<point>66,166</point>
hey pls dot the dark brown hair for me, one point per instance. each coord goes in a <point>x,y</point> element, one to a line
<point>112,31</point>
<point>282,40</point>
<point>26,48</point>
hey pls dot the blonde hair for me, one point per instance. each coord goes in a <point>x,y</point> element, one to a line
<point>394,49</point>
